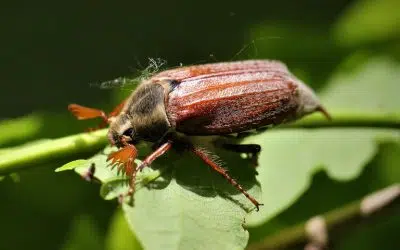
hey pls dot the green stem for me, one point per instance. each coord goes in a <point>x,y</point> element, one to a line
<point>32,155</point>
<point>346,119</point>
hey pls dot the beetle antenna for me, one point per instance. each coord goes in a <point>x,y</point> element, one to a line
<point>84,113</point>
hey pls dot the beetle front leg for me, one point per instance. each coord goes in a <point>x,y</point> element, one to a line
<point>147,162</point>
<point>200,153</point>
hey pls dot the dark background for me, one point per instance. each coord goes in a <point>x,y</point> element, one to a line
<point>51,52</point>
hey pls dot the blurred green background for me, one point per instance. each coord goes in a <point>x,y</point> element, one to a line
<point>52,52</point>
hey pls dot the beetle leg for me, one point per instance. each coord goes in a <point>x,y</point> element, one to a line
<point>251,150</point>
<point>124,160</point>
<point>153,156</point>
<point>223,172</point>
<point>145,163</point>
<point>132,179</point>
<point>123,155</point>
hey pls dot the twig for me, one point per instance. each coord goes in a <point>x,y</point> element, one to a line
<point>34,154</point>
<point>349,119</point>
<point>315,233</point>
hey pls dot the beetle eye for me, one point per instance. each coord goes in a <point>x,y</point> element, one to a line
<point>128,132</point>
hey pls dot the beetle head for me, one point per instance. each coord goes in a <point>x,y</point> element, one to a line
<point>121,131</point>
<point>121,134</point>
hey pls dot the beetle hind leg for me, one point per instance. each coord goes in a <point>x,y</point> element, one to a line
<point>203,156</point>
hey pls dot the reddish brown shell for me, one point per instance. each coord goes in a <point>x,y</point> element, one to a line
<point>225,98</point>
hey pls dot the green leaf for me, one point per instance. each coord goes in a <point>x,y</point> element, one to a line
<point>192,207</point>
<point>371,89</point>
<point>114,187</point>
<point>71,165</point>
<point>326,194</point>
<point>368,21</point>
<point>389,156</point>
<point>290,157</point>
<point>102,171</point>
<point>119,236</point>
<point>188,203</point>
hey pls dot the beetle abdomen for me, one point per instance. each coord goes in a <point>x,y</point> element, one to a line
<point>233,101</point>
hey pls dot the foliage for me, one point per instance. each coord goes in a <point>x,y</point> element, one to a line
<point>194,203</point>
<point>307,168</point>
<point>290,158</point>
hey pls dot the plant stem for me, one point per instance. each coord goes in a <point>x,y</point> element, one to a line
<point>346,119</point>
<point>375,204</point>
<point>40,152</point>
<point>32,155</point>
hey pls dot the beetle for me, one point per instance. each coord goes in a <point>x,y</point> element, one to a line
<point>203,100</point>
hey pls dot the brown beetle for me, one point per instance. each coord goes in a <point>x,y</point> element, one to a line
<point>210,99</point>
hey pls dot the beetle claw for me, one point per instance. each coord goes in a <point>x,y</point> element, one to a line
<point>258,206</point>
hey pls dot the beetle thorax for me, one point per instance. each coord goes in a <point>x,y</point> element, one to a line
<point>142,118</point>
